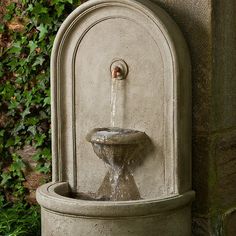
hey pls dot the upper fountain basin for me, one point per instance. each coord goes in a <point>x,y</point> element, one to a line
<point>116,136</point>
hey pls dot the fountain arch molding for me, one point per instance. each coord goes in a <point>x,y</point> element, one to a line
<point>154,98</point>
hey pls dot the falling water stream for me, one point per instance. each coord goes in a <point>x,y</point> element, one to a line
<point>116,147</point>
<point>114,91</point>
<point>119,183</point>
<point>117,103</point>
<point>114,178</point>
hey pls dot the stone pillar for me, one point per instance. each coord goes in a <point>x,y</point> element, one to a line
<point>209,28</point>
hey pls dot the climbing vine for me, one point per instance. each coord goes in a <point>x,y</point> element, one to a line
<point>27,32</point>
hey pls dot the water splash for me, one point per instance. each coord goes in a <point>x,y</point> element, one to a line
<point>115,177</point>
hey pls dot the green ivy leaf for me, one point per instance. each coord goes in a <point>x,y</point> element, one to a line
<point>60,9</point>
<point>25,112</point>
<point>1,70</point>
<point>14,61</point>
<point>11,7</point>
<point>17,166</point>
<point>24,88</point>
<point>43,31</point>
<point>46,168</point>
<point>1,201</point>
<point>39,9</point>
<point>1,28</point>
<point>30,7</point>
<point>7,17</point>
<point>46,101</point>
<point>16,48</point>
<point>2,132</point>
<point>17,140</point>
<point>32,129</point>
<point>5,178</point>
<point>39,61</point>
<point>39,139</point>
<point>46,154</point>
<point>10,142</point>
<point>32,45</point>
<point>32,121</point>
<point>18,127</point>
<point>37,156</point>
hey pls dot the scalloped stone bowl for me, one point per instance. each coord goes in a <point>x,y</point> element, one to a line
<point>116,146</point>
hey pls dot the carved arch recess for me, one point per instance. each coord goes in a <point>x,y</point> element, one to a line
<point>176,83</point>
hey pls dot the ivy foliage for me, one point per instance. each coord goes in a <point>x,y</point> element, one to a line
<point>20,220</point>
<point>27,32</point>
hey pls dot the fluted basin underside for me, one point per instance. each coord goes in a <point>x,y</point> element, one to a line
<point>117,148</point>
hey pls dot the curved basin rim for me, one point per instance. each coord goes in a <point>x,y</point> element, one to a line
<point>48,197</point>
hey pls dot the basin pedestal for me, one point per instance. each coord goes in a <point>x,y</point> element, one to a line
<point>117,148</point>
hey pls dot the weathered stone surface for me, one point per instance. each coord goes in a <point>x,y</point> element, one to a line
<point>194,18</point>
<point>229,223</point>
<point>201,174</point>
<point>214,172</point>
<point>224,152</point>
<point>65,225</point>
<point>72,217</point>
<point>201,226</point>
<point>154,97</point>
<point>224,65</point>
<point>209,29</point>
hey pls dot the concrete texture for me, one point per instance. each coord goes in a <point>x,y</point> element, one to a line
<point>224,69</point>
<point>209,28</point>
<point>155,99</point>
<point>229,223</point>
<point>65,225</point>
<point>63,216</point>
<point>224,151</point>
<point>194,18</point>
<point>157,95</point>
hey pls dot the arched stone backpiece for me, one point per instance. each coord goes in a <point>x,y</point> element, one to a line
<point>154,98</point>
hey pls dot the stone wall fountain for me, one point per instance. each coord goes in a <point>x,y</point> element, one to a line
<point>122,65</point>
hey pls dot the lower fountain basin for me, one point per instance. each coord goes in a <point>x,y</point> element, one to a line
<point>65,216</point>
